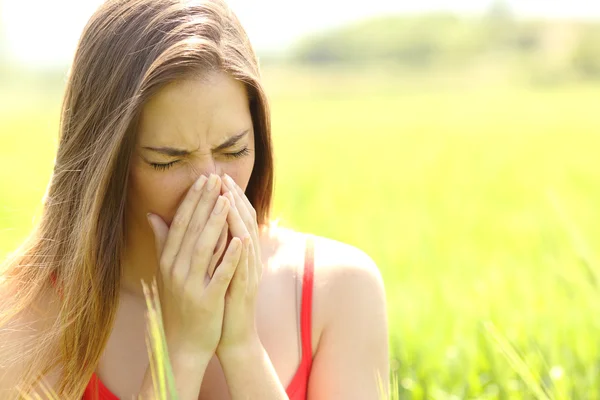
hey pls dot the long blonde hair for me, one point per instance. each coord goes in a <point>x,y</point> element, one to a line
<point>128,50</point>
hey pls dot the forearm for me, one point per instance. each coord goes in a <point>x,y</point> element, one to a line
<point>250,374</point>
<point>188,372</point>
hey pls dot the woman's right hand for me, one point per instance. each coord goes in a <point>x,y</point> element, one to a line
<point>192,303</point>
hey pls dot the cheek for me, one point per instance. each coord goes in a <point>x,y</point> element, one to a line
<point>240,171</point>
<point>158,192</point>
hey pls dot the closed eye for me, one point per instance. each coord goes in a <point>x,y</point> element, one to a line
<point>244,152</point>
<point>164,166</point>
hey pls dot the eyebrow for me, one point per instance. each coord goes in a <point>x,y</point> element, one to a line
<point>175,152</point>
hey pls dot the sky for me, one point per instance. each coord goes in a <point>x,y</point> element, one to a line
<point>45,32</point>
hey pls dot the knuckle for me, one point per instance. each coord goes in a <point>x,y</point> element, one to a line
<point>179,221</point>
<point>164,264</point>
<point>214,221</point>
<point>194,295</point>
<point>201,248</point>
<point>224,278</point>
<point>178,276</point>
<point>195,226</point>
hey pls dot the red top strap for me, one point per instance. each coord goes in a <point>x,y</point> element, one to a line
<point>307,297</point>
<point>298,387</point>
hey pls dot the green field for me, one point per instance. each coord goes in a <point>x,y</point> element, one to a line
<point>479,203</point>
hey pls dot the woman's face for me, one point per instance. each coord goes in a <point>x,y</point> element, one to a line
<point>189,128</point>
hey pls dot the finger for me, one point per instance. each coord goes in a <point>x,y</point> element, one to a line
<point>246,211</point>
<point>241,197</point>
<point>224,186</point>
<point>239,282</point>
<point>249,217</point>
<point>205,245</point>
<point>254,268</point>
<point>242,203</point>
<point>198,220</point>
<point>220,250</point>
<point>236,224</point>
<point>180,222</point>
<point>219,283</point>
<point>255,242</point>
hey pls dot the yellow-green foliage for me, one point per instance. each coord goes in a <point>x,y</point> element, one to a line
<point>479,204</point>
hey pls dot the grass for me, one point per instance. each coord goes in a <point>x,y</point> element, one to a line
<point>478,203</point>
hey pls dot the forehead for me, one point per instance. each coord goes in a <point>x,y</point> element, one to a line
<point>195,112</point>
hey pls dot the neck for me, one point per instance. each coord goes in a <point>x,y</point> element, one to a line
<point>140,263</point>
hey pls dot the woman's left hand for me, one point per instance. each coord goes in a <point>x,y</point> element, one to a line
<point>239,326</point>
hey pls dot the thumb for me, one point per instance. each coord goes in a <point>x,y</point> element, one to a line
<point>160,230</point>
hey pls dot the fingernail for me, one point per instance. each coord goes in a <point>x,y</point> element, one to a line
<point>219,205</point>
<point>229,180</point>
<point>235,245</point>
<point>212,181</point>
<point>200,183</point>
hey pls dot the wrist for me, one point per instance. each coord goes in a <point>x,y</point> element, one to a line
<point>188,369</point>
<point>190,358</point>
<point>241,352</point>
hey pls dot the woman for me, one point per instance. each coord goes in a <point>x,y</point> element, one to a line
<point>164,170</point>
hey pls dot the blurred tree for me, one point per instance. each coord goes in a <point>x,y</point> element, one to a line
<point>527,36</point>
<point>418,41</point>
<point>586,56</point>
<point>499,26</point>
<point>495,44</point>
<point>500,12</point>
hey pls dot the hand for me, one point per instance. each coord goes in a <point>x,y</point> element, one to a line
<point>193,304</point>
<point>239,326</point>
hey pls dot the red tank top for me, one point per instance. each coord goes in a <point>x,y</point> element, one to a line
<point>297,388</point>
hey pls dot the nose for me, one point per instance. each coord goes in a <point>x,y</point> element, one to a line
<point>208,167</point>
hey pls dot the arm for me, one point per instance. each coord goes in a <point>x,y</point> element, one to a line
<point>250,374</point>
<point>351,361</point>
<point>352,356</point>
<point>188,371</point>
<point>246,365</point>
<point>353,348</point>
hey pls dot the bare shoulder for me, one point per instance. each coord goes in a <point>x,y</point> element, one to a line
<point>346,279</point>
<point>350,327</point>
<point>341,264</point>
<point>334,260</point>
<point>348,282</point>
